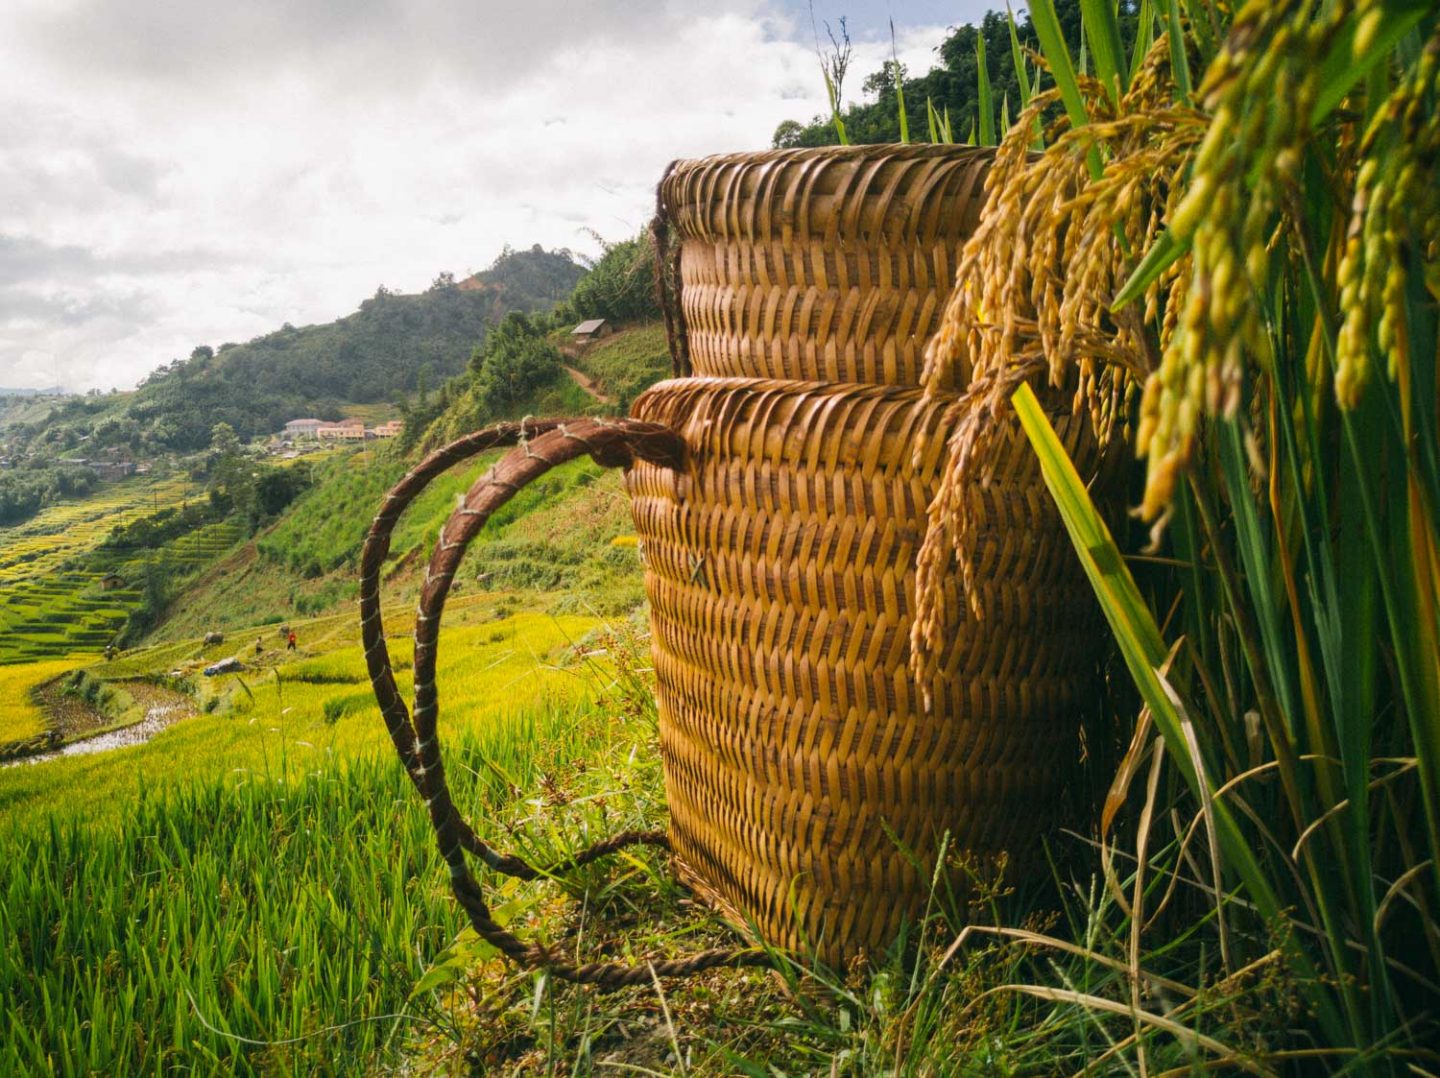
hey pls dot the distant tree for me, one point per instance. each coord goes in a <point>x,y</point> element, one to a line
<point>788,134</point>
<point>883,81</point>
<point>443,281</point>
<point>230,472</point>
<point>202,352</point>
<point>515,361</point>
<point>224,442</point>
<point>621,287</point>
<point>278,487</point>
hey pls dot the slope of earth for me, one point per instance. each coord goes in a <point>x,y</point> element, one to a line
<point>624,364</point>
<point>557,537</point>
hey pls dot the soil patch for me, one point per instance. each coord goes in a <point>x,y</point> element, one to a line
<point>78,729</point>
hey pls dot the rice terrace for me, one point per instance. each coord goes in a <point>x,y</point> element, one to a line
<point>919,555</point>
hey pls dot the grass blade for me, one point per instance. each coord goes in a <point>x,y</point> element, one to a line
<point>1017,57</point>
<point>985,103</point>
<point>1022,76</point>
<point>1162,254</point>
<point>1179,61</point>
<point>1102,31</point>
<point>1057,54</point>
<point>1144,36</point>
<point>1363,41</point>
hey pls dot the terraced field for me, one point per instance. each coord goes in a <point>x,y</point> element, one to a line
<point>59,533</point>
<point>52,602</point>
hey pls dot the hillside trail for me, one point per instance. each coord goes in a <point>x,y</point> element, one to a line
<point>588,384</point>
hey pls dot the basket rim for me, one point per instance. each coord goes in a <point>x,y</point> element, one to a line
<point>858,152</point>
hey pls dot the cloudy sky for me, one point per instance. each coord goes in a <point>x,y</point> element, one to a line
<point>174,172</point>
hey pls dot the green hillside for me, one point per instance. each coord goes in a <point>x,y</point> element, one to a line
<point>388,348</point>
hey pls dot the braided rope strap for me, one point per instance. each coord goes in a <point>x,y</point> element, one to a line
<point>541,446</point>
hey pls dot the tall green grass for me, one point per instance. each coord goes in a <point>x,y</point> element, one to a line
<point>275,925</point>
<point>252,890</point>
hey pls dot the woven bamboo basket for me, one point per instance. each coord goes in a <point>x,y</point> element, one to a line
<point>780,488</point>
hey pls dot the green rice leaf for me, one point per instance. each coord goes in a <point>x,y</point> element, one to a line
<point>1144,36</point>
<point>1163,253</point>
<point>1179,60</point>
<point>1363,41</point>
<point>1143,649</point>
<point>1102,31</point>
<point>1057,55</point>
<point>1022,75</point>
<point>984,102</point>
<point>1017,57</point>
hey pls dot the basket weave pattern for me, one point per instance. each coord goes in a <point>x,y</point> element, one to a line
<point>829,266</point>
<point>803,769</point>
<point>799,756</point>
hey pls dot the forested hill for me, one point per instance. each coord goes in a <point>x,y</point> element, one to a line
<point>391,347</point>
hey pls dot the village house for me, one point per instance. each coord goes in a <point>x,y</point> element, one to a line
<point>303,428</point>
<point>591,330</point>
<point>346,430</point>
<point>113,469</point>
<point>391,429</point>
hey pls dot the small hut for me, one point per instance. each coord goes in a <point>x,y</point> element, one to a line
<point>591,330</point>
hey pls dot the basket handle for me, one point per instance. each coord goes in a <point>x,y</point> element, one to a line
<point>541,445</point>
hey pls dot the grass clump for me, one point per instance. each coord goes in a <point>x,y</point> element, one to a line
<point>245,877</point>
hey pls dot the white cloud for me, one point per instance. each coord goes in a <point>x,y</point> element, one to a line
<point>174,173</point>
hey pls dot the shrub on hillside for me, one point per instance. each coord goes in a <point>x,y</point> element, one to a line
<point>621,287</point>
<point>515,361</point>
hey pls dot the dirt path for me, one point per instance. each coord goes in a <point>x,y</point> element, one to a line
<point>588,384</point>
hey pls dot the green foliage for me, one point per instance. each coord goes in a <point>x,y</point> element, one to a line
<point>155,530</point>
<point>276,488</point>
<point>515,360</point>
<point>971,57</point>
<point>621,286</point>
<point>157,589</point>
<point>324,528</point>
<point>25,491</point>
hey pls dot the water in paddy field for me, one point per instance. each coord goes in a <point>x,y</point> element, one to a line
<point>155,720</point>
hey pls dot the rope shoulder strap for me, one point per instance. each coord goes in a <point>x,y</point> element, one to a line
<point>540,446</point>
